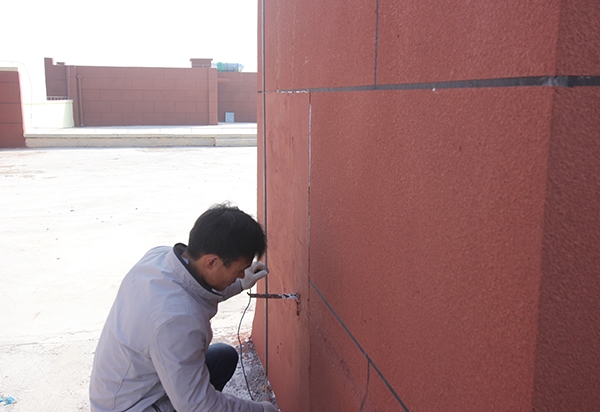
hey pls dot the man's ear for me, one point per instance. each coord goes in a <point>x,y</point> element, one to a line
<point>210,260</point>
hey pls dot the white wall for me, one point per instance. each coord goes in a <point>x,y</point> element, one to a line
<point>48,114</point>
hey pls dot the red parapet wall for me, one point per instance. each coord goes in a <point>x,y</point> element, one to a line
<point>131,96</point>
<point>11,113</point>
<point>432,194</point>
<point>237,94</point>
<point>56,79</point>
<point>568,354</point>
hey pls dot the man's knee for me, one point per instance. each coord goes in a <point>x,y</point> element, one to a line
<point>221,360</point>
<point>223,352</point>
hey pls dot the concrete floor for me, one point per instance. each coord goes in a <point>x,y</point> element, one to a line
<point>72,223</point>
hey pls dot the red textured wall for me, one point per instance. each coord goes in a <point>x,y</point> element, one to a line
<point>237,94</point>
<point>288,247</point>
<point>56,79</point>
<point>126,96</point>
<point>568,354</point>
<point>11,115</point>
<point>444,238</point>
<point>452,235</point>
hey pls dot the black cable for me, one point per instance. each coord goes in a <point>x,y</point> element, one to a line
<point>241,352</point>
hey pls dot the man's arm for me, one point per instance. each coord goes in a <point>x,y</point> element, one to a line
<point>177,352</point>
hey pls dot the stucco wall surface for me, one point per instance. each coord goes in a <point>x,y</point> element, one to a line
<point>128,96</point>
<point>568,354</point>
<point>430,209</point>
<point>432,194</point>
<point>579,38</point>
<point>11,113</point>
<point>346,30</point>
<point>423,41</point>
<point>288,256</point>
<point>237,94</point>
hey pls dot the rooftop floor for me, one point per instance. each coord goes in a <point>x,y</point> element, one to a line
<point>72,223</point>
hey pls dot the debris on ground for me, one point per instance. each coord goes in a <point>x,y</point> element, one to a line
<point>6,402</point>
<point>253,373</point>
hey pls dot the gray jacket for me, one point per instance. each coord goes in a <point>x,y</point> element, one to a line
<point>154,342</point>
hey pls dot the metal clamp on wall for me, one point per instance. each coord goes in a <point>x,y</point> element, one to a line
<point>274,296</point>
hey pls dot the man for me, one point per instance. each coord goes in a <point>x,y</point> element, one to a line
<point>153,353</point>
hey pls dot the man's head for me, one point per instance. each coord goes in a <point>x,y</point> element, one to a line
<point>227,232</point>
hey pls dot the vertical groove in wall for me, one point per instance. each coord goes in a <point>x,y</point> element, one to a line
<point>264,148</point>
<point>376,41</point>
<point>309,175</point>
<point>276,44</point>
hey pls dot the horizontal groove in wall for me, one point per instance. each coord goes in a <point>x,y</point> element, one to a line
<point>335,315</point>
<point>538,81</point>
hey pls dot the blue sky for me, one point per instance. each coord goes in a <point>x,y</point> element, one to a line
<point>124,33</point>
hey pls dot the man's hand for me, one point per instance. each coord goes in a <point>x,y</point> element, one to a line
<point>255,272</point>
<point>267,407</point>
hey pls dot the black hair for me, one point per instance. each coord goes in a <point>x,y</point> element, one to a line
<point>227,232</point>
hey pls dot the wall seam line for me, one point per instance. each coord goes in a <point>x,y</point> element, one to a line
<point>543,254</point>
<point>360,348</point>
<point>532,81</point>
<point>376,40</point>
<point>264,149</point>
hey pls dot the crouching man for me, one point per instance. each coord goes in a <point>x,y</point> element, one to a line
<point>154,353</point>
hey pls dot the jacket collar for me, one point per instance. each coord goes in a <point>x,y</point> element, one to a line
<point>183,271</point>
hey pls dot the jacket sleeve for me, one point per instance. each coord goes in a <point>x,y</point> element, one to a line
<point>177,352</point>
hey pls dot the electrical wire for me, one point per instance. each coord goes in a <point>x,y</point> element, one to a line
<point>241,351</point>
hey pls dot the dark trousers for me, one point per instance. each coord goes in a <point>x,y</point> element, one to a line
<point>221,360</point>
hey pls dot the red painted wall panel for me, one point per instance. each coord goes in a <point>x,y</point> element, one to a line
<point>164,84</point>
<point>452,234</point>
<point>288,249</point>
<point>177,73</point>
<point>181,96</point>
<point>115,119</point>
<point>237,94</point>
<point>268,37</point>
<point>379,398</point>
<point>337,383</point>
<point>579,38</point>
<point>568,353</point>
<point>121,107</point>
<point>11,115</point>
<point>56,79</point>
<point>426,41</point>
<point>11,90</point>
<point>131,90</point>
<point>141,84</point>
<point>213,96</point>
<point>451,184</point>
<point>322,44</point>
